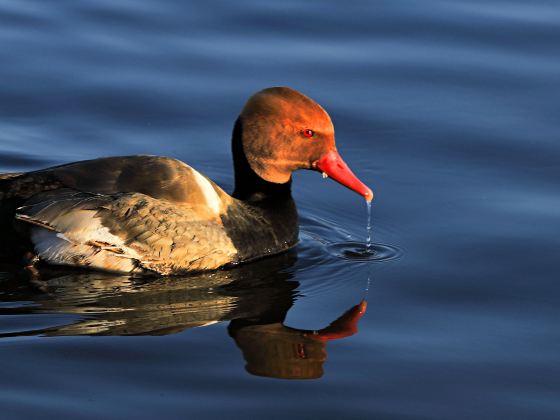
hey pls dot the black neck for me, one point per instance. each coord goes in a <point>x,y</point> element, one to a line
<point>264,221</point>
<point>248,185</point>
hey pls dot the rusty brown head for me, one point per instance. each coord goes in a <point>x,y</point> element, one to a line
<point>285,130</point>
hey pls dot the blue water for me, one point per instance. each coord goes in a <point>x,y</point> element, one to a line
<point>448,109</point>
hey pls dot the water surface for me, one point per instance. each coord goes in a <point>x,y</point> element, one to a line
<point>447,109</point>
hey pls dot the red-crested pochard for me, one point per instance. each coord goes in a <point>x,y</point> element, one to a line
<point>150,214</point>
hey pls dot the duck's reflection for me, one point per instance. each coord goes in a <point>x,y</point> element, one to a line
<point>275,350</point>
<point>255,298</point>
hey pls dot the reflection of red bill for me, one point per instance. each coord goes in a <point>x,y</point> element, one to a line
<point>332,164</point>
<point>344,326</point>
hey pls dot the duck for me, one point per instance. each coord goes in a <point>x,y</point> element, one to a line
<point>157,215</point>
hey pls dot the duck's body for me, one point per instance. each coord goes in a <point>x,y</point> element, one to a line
<point>141,214</point>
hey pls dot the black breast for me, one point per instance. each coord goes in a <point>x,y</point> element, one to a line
<point>262,229</point>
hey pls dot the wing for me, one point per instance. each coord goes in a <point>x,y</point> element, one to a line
<point>127,232</point>
<point>158,177</point>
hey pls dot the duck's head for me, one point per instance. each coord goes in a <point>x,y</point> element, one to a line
<point>284,130</point>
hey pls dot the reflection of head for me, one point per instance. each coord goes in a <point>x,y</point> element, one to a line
<point>273,350</point>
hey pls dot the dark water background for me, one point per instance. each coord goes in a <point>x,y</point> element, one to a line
<point>448,109</point>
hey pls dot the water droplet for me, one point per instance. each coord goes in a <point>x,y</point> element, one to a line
<point>368,229</point>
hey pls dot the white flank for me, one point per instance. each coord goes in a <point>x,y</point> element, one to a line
<point>210,195</point>
<point>56,249</point>
<point>82,226</point>
<point>70,243</point>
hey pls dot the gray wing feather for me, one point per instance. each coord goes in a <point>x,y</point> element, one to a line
<point>161,236</point>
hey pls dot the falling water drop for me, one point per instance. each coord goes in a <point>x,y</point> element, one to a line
<point>368,239</point>
<point>355,251</point>
<point>368,284</point>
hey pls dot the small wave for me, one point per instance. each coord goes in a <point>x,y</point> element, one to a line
<point>357,251</point>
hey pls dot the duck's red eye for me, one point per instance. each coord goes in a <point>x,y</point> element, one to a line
<point>308,133</point>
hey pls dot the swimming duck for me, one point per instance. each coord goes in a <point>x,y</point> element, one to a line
<point>151,214</point>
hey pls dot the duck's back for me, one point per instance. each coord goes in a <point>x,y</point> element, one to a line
<point>158,177</point>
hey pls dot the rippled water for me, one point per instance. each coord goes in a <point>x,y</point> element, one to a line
<point>448,109</point>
